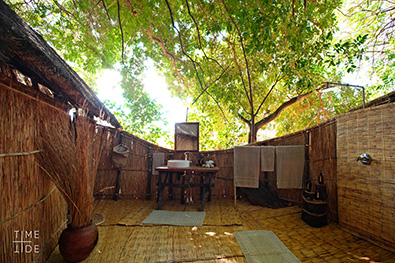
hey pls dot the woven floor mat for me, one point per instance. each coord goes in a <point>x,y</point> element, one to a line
<point>175,218</point>
<point>262,246</point>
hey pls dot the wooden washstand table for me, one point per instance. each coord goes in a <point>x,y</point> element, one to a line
<point>181,173</point>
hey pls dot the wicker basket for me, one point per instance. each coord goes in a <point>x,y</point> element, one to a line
<point>119,155</point>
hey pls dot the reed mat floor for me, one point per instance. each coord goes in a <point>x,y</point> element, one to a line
<point>123,237</point>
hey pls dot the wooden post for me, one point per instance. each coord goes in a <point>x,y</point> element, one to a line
<point>117,184</point>
<point>307,159</point>
<point>149,175</point>
<point>234,193</point>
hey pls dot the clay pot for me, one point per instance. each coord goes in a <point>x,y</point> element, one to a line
<point>76,244</point>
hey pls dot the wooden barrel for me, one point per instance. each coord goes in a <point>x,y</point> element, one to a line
<point>314,220</point>
<point>315,206</point>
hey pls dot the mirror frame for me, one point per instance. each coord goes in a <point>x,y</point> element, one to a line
<point>177,138</point>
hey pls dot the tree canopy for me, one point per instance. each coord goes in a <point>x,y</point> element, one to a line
<point>375,20</point>
<point>240,62</point>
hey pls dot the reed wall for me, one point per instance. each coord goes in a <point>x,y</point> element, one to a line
<point>320,156</point>
<point>323,158</point>
<point>366,193</point>
<point>223,180</point>
<point>29,201</point>
<point>360,198</point>
<point>135,179</point>
<point>292,195</point>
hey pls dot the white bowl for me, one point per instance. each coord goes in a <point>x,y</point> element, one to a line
<point>177,163</point>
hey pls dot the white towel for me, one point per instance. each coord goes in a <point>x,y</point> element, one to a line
<point>158,159</point>
<point>246,166</point>
<point>290,166</point>
<point>267,158</point>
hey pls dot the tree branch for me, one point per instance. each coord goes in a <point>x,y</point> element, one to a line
<point>193,62</point>
<point>321,104</point>
<point>248,122</point>
<point>244,53</point>
<point>131,7</point>
<point>160,42</point>
<point>105,9</point>
<point>238,100</point>
<point>240,71</point>
<point>168,54</point>
<point>267,95</point>
<point>282,107</point>
<point>207,86</point>
<point>64,9</point>
<point>199,37</point>
<point>120,27</point>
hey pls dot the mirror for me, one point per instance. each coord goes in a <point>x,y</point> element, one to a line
<point>186,136</point>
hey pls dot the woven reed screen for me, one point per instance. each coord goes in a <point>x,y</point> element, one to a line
<point>322,155</point>
<point>366,193</point>
<point>29,201</point>
<point>133,178</point>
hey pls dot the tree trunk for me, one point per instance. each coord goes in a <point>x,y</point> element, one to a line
<point>252,134</point>
<point>253,130</point>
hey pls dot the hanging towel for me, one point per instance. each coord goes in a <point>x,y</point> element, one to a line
<point>158,159</point>
<point>267,158</point>
<point>290,166</point>
<point>246,166</point>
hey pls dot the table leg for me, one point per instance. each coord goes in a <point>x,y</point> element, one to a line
<point>159,184</point>
<point>161,189</point>
<point>171,197</point>
<point>210,177</point>
<point>182,190</point>
<point>204,199</point>
<point>201,187</point>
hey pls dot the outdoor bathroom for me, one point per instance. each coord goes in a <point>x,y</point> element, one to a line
<point>78,189</point>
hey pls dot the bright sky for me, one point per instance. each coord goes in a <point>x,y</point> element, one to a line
<point>173,108</point>
<point>360,77</point>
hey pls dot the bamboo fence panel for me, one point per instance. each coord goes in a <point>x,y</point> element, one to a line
<point>134,181</point>
<point>224,160</point>
<point>106,175</point>
<point>134,176</point>
<point>293,195</point>
<point>366,193</point>
<point>323,159</point>
<point>29,200</point>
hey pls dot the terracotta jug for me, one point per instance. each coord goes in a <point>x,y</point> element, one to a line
<point>76,244</point>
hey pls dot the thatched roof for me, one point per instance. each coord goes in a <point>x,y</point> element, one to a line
<point>24,49</point>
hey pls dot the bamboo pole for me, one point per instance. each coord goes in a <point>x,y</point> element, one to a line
<point>19,154</point>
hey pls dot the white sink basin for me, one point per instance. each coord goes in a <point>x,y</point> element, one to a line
<point>177,163</point>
